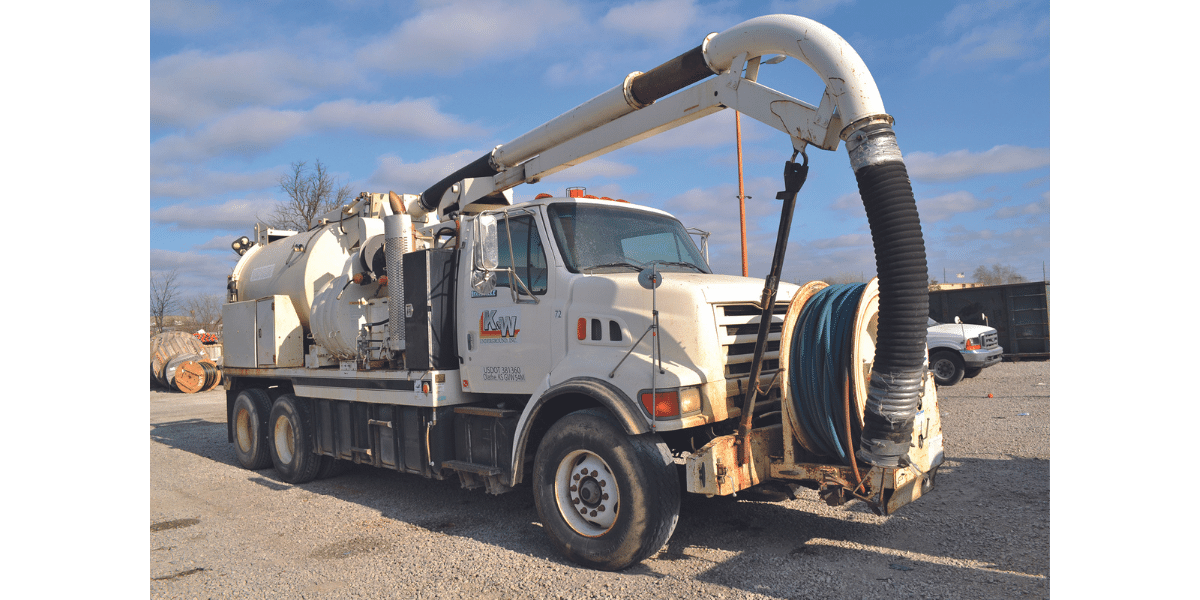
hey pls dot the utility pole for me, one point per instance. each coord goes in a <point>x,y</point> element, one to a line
<point>737,119</point>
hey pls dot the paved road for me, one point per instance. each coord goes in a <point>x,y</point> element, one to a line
<point>218,531</point>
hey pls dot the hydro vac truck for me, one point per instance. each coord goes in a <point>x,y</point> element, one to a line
<point>582,345</point>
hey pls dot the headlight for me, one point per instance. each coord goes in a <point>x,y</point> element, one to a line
<point>689,400</point>
<point>975,343</point>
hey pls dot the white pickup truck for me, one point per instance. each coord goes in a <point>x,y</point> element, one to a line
<point>960,349</point>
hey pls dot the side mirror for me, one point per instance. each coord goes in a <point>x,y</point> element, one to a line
<point>958,320</point>
<point>489,249</point>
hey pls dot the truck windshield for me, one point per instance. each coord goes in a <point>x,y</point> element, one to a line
<point>608,239</point>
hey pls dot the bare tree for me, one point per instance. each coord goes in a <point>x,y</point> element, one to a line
<point>310,194</point>
<point>204,311</point>
<point>997,275</point>
<point>164,296</point>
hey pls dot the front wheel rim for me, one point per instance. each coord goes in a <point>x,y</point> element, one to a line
<point>586,493</point>
<point>943,369</point>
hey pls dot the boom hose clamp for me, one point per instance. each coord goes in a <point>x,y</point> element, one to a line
<point>873,144</point>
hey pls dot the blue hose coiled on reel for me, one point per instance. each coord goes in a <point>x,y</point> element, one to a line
<point>821,367</point>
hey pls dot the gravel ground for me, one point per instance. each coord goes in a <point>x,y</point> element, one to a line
<point>218,531</point>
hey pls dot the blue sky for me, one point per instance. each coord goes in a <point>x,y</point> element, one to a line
<point>394,95</point>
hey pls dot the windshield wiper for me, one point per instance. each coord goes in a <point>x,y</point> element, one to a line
<point>680,264</point>
<point>614,264</point>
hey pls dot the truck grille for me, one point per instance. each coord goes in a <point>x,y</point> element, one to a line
<point>737,330</point>
<point>991,340</point>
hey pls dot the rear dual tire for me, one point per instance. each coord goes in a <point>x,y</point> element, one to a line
<point>291,434</point>
<point>251,411</point>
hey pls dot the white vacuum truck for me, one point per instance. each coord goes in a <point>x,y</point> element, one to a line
<point>583,346</point>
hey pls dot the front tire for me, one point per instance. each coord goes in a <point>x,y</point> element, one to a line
<point>947,367</point>
<point>251,411</point>
<point>292,440</point>
<point>607,499</point>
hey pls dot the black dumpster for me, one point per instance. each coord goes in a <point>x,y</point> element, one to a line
<point>1020,312</point>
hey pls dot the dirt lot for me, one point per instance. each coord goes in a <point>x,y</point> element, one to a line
<point>218,531</point>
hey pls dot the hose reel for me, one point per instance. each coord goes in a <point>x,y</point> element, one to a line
<point>827,352</point>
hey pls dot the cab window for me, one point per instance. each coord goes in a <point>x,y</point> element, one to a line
<point>526,254</point>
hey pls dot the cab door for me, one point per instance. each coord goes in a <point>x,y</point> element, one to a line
<point>506,333</point>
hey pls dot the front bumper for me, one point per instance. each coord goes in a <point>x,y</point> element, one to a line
<point>977,359</point>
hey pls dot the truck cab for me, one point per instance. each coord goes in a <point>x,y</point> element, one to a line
<point>572,310</point>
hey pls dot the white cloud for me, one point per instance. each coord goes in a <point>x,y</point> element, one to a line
<point>447,36</point>
<point>968,14</point>
<point>415,118</point>
<point>192,183</point>
<point>1023,210</point>
<point>184,16</point>
<point>198,272</point>
<point>413,178</point>
<point>708,132</point>
<point>990,31</point>
<point>256,130</point>
<point>849,240</point>
<point>807,263</point>
<point>232,215</point>
<point>222,243</point>
<point>652,19</point>
<point>584,68</point>
<point>940,208</point>
<point>715,210</point>
<point>1023,248</point>
<point>964,164</point>
<point>850,203</point>
<point>983,44</point>
<point>191,87</point>
<point>1038,182</point>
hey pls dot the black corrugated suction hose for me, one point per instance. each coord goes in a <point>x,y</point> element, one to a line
<point>480,167</point>
<point>894,395</point>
